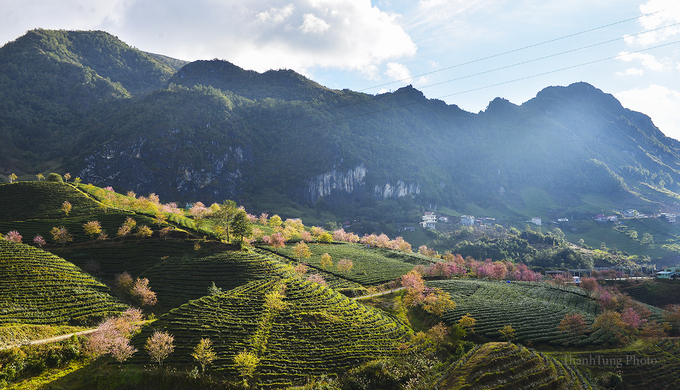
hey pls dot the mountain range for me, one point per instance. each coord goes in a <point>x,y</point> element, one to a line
<point>85,102</point>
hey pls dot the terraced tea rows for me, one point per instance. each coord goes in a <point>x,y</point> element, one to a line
<point>656,366</point>
<point>506,366</point>
<point>372,266</point>
<point>32,200</point>
<point>133,256</point>
<point>40,288</point>
<point>333,281</point>
<point>534,310</point>
<point>110,223</point>
<point>319,332</point>
<point>178,280</point>
<point>659,292</point>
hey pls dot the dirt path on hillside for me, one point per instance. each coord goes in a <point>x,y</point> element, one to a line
<point>49,340</point>
<point>380,293</point>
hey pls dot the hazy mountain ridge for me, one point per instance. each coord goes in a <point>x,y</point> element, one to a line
<point>213,131</point>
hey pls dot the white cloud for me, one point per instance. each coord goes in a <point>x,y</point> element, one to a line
<point>658,13</point>
<point>659,102</point>
<point>647,60</point>
<point>631,72</point>
<point>314,25</point>
<point>255,34</point>
<point>398,72</point>
<point>276,15</point>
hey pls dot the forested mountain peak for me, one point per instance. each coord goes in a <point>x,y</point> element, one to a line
<point>284,84</point>
<point>213,130</point>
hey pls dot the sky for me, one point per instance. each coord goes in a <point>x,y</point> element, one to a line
<point>464,52</point>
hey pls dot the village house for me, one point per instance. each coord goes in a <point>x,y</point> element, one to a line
<point>429,220</point>
<point>467,220</point>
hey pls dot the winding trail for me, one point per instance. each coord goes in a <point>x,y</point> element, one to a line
<point>49,340</point>
<point>379,294</point>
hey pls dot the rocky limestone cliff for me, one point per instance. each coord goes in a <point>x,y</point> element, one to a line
<point>335,182</point>
<point>148,165</point>
<point>352,182</point>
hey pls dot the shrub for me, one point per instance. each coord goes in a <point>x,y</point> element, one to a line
<point>55,177</point>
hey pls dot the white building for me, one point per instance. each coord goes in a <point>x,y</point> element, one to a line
<point>429,220</point>
<point>467,220</point>
<point>536,221</point>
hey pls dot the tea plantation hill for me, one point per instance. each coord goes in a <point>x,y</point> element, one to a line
<point>317,332</point>
<point>34,208</point>
<point>534,310</point>
<point>38,287</point>
<point>506,366</point>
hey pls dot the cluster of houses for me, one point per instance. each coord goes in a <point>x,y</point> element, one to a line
<point>631,213</point>
<point>430,220</point>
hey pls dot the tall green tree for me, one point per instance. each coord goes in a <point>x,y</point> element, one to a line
<point>223,217</point>
<point>240,225</point>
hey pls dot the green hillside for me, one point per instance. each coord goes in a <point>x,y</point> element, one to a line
<point>40,288</point>
<point>318,332</point>
<point>43,200</point>
<point>508,366</point>
<point>371,266</point>
<point>534,310</point>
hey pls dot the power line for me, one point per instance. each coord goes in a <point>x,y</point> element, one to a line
<point>474,61</point>
<point>476,89</point>
<point>515,50</point>
<point>377,97</point>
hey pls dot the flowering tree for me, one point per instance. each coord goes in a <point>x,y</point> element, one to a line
<point>40,177</point>
<point>67,176</point>
<point>204,354</point>
<point>120,349</point>
<point>325,237</point>
<point>588,284</point>
<point>13,236</point>
<point>326,261</point>
<point>507,332</point>
<point>275,221</point>
<point>302,251</point>
<point>160,346</point>
<point>246,363</point>
<point>165,232</point>
<point>39,241</point>
<point>144,231</point>
<point>61,235</point>
<point>66,207</point>
<point>345,265</point>
<point>127,226</point>
<point>12,177</point>
<point>113,334</point>
<point>632,318</point>
<point>316,278</point>
<point>467,323</point>
<point>92,228</point>
<point>573,324</point>
<point>124,282</point>
<point>142,293</point>
<point>306,236</point>
<point>277,240</point>
<point>301,269</point>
